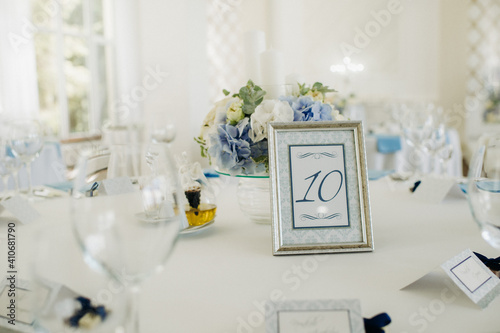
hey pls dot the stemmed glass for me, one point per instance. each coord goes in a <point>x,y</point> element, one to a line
<point>483,189</point>
<point>129,226</point>
<point>9,165</point>
<point>26,142</point>
<point>417,122</point>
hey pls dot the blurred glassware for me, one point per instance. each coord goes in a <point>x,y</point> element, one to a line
<point>26,141</point>
<point>9,166</point>
<point>59,275</point>
<point>129,233</point>
<point>163,132</point>
<point>417,121</point>
<point>483,189</point>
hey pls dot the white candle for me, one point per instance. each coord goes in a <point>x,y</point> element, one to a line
<point>272,69</point>
<point>254,45</point>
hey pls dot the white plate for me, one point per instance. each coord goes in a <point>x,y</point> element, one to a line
<point>196,228</point>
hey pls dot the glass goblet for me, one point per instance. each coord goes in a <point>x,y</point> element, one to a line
<point>26,142</point>
<point>128,227</point>
<point>483,189</point>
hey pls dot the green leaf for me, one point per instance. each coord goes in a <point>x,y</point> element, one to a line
<point>252,96</point>
<point>225,92</point>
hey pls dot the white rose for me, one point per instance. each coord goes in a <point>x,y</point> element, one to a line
<point>216,116</point>
<point>266,112</point>
<point>336,115</point>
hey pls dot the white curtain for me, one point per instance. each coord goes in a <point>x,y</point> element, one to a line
<point>18,82</point>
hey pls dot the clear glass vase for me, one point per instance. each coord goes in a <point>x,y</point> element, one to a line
<point>254,198</point>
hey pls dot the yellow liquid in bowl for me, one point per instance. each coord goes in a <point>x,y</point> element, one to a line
<point>201,215</point>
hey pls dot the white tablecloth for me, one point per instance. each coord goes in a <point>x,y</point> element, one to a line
<point>218,279</point>
<point>405,159</point>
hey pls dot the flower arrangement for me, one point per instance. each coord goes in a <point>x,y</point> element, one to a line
<point>234,132</point>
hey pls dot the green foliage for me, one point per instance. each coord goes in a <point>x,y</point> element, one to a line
<point>225,92</point>
<point>203,146</point>
<point>316,87</point>
<point>252,95</point>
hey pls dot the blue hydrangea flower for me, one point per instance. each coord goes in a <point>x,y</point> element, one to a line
<point>231,148</point>
<point>302,108</point>
<point>289,99</point>
<point>321,112</point>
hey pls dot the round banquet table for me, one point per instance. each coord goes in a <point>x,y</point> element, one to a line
<point>217,280</point>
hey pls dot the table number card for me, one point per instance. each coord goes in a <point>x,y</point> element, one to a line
<point>20,209</point>
<point>114,186</point>
<point>342,316</point>
<point>319,184</point>
<point>434,190</point>
<point>473,278</point>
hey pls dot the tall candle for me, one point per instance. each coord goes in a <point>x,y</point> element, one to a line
<point>272,69</point>
<point>254,45</point>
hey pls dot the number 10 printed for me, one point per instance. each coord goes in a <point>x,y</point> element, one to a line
<point>319,195</point>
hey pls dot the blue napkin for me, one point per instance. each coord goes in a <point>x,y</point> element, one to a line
<point>62,186</point>
<point>486,185</point>
<point>377,174</point>
<point>210,173</point>
<point>388,144</point>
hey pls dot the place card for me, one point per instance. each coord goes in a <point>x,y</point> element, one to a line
<point>342,316</point>
<point>114,186</point>
<point>435,189</point>
<point>474,278</point>
<point>20,209</point>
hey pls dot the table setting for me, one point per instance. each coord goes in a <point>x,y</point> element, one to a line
<point>295,217</point>
<point>127,235</point>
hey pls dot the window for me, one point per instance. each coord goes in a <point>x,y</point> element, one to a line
<point>74,50</point>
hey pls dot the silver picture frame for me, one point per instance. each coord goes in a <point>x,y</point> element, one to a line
<point>319,188</point>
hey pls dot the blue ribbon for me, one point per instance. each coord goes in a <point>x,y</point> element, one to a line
<point>415,186</point>
<point>376,323</point>
<point>93,188</point>
<point>493,264</point>
<point>86,308</point>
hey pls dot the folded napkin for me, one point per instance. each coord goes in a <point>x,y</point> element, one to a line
<point>377,174</point>
<point>388,144</point>
<point>62,186</point>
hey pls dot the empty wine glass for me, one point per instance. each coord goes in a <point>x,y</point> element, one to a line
<point>26,142</point>
<point>9,166</point>
<point>484,187</point>
<point>417,122</point>
<point>129,226</point>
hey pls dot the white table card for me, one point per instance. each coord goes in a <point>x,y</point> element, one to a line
<point>434,189</point>
<point>21,209</point>
<point>342,316</point>
<point>473,277</point>
<point>114,186</point>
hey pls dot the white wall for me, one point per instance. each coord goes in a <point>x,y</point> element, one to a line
<point>419,54</point>
<point>172,38</point>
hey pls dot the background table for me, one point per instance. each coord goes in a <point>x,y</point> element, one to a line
<point>217,280</point>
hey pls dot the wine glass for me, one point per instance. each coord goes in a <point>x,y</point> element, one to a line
<point>129,226</point>
<point>9,166</point>
<point>26,142</point>
<point>484,187</point>
<point>66,294</point>
<point>417,123</point>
